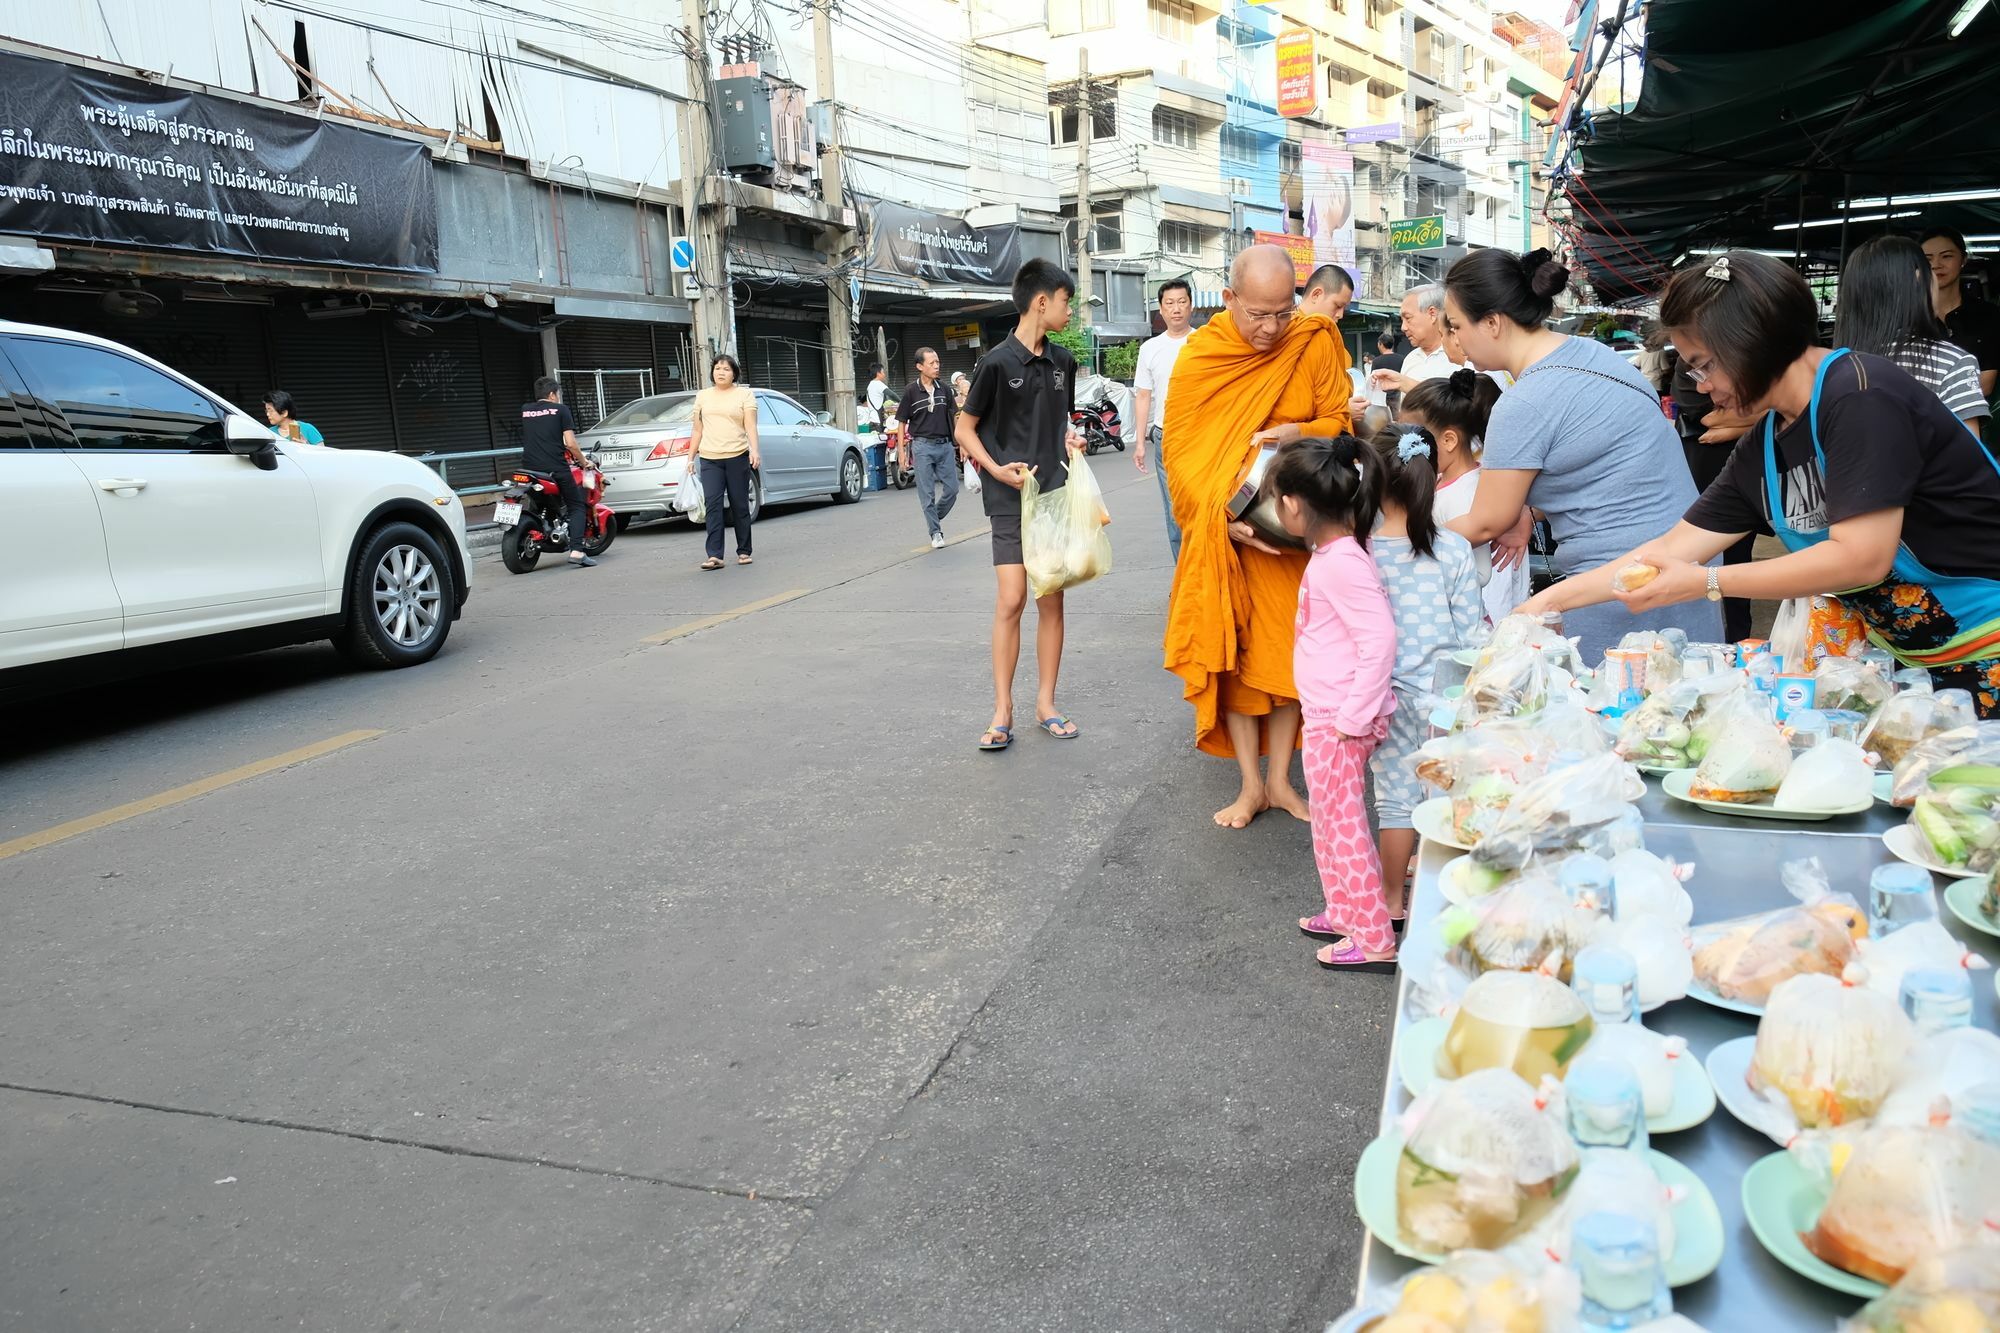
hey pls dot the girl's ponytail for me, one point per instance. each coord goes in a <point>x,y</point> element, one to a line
<point>1462,401</point>
<point>1408,458</point>
<point>1338,481</point>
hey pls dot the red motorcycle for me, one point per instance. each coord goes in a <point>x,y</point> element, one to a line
<point>1099,425</point>
<point>536,518</point>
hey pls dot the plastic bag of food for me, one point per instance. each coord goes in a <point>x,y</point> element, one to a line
<point>1526,925</point>
<point>1524,1021</point>
<point>1485,1157</point>
<point>1833,775</point>
<point>1963,756</point>
<point>1833,1050</point>
<point>1745,957</point>
<point>1960,825</point>
<point>1534,632</point>
<point>1881,963</point>
<point>1898,1194</point>
<point>1508,681</point>
<point>1611,1180</point>
<point>1954,1292</point>
<point>1748,757</point>
<point>1516,1290</point>
<point>1573,731</point>
<point>1851,684</point>
<point>1654,1058</point>
<point>1481,769</point>
<point>1663,952</point>
<point>1559,810</point>
<point>1649,885</point>
<point>1942,1076</point>
<point>1911,716</point>
<point>1063,541</point>
<point>1660,733</point>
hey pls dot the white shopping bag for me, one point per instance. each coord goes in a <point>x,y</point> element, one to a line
<point>971,475</point>
<point>689,498</point>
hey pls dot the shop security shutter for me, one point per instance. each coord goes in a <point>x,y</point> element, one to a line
<point>438,388</point>
<point>338,371</point>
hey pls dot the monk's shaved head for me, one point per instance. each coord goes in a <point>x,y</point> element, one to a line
<point>1259,295</point>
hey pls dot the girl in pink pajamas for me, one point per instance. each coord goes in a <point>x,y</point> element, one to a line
<point>1328,492</point>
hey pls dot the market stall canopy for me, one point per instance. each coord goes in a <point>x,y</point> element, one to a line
<point>1753,118</point>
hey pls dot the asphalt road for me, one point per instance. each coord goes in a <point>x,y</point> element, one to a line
<point>669,959</point>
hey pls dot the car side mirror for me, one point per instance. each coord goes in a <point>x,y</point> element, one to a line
<point>246,439</point>
<point>823,418</point>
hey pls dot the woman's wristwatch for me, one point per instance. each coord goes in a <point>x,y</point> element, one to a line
<point>1715,583</point>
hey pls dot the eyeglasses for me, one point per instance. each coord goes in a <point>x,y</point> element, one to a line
<point>1277,317</point>
<point>1699,373</point>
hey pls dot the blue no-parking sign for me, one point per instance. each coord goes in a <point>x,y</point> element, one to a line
<point>682,252</point>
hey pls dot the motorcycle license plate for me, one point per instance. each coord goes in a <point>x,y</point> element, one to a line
<point>507,513</point>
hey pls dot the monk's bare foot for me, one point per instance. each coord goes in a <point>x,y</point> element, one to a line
<point>1239,812</point>
<point>1287,798</point>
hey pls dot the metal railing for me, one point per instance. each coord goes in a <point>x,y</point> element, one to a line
<point>460,473</point>
<point>593,395</point>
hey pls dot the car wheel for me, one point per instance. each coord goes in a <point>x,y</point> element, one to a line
<point>756,497</point>
<point>399,599</point>
<point>851,480</point>
<point>518,551</point>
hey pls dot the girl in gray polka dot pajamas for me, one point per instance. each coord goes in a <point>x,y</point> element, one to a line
<point>1433,584</point>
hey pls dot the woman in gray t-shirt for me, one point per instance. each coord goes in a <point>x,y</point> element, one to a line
<point>1580,436</point>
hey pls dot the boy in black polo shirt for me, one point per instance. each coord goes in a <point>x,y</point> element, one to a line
<point>1016,421</point>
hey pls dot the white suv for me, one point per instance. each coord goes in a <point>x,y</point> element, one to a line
<point>150,519</point>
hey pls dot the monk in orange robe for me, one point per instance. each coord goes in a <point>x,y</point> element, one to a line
<point>1258,373</point>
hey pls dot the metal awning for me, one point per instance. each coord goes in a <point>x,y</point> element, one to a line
<point>1754,118</point>
<point>1193,215</point>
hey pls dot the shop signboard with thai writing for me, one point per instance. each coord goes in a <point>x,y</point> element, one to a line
<point>1296,94</point>
<point>108,160</point>
<point>938,248</point>
<point>961,335</point>
<point>1410,234</point>
<point>1300,248</point>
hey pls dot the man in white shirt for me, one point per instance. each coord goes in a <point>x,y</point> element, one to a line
<point>1423,325</point>
<point>1149,390</point>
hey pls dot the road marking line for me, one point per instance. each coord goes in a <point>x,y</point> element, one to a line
<point>174,796</point>
<point>951,541</point>
<point>724,617</point>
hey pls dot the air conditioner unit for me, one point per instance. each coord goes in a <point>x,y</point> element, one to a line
<point>1239,185</point>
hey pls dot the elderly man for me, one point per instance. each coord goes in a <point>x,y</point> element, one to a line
<point>1423,325</point>
<point>1259,373</point>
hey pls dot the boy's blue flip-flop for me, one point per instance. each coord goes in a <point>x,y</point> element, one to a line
<point>1049,724</point>
<point>1006,735</point>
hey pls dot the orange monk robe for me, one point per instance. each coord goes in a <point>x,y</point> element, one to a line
<point>1230,618</point>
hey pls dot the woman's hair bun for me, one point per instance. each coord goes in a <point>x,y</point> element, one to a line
<point>1546,278</point>
<point>1464,381</point>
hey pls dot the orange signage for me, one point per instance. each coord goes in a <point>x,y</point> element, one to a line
<point>1301,248</point>
<point>1296,94</point>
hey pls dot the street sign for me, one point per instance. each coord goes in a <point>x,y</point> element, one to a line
<point>1410,234</point>
<point>1296,93</point>
<point>1373,133</point>
<point>681,254</point>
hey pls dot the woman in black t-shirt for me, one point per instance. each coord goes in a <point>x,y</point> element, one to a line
<point>1881,496</point>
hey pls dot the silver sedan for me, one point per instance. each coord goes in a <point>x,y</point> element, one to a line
<point>644,447</point>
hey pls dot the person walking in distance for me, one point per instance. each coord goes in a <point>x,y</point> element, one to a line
<point>548,445</point>
<point>886,413</point>
<point>1149,391</point>
<point>725,440</point>
<point>929,413</point>
<point>1016,421</point>
<point>282,416</point>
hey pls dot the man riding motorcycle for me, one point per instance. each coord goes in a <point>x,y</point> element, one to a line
<point>548,444</point>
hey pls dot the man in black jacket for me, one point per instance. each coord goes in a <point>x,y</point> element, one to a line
<point>929,414</point>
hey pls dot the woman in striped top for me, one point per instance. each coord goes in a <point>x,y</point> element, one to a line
<point>1885,308</point>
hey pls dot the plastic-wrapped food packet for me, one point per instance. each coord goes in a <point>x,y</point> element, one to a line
<point>1898,1194</point>
<point>1832,775</point>
<point>1661,732</point>
<point>1528,924</point>
<point>1832,1049</point>
<point>1524,1021</point>
<point>1957,1291</point>
<point>1745,957</point>
<point>1748,756</point>
<point>1950,1071</point>
<point>1850,684</point>
<point>1559,809</point>
<point>1615,1180</point>
<point>1508,681</point>
<point>1515,1290</point>
<point>1960,824</point>
<point>1915,715</point>
<point>1484,1158</point>
<point>1962,755</point>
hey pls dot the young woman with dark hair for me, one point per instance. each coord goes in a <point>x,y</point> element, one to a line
<point>1973,324</point>
<point>1885,309</point>
<point>1880,495</point>
<point>1580,436</point>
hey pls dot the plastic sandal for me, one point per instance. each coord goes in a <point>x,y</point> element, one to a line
<point>1320,926</point>
<point>711,564</point>
<point>1352,959</point>
<point>1049,724</point>
<point>1006,735</point>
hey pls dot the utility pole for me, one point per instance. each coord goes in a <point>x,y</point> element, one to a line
<point>838,241</point>
<point>1086,220</point>
<point>704,219</point>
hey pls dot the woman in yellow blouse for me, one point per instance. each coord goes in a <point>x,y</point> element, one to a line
<point>725,440</point>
